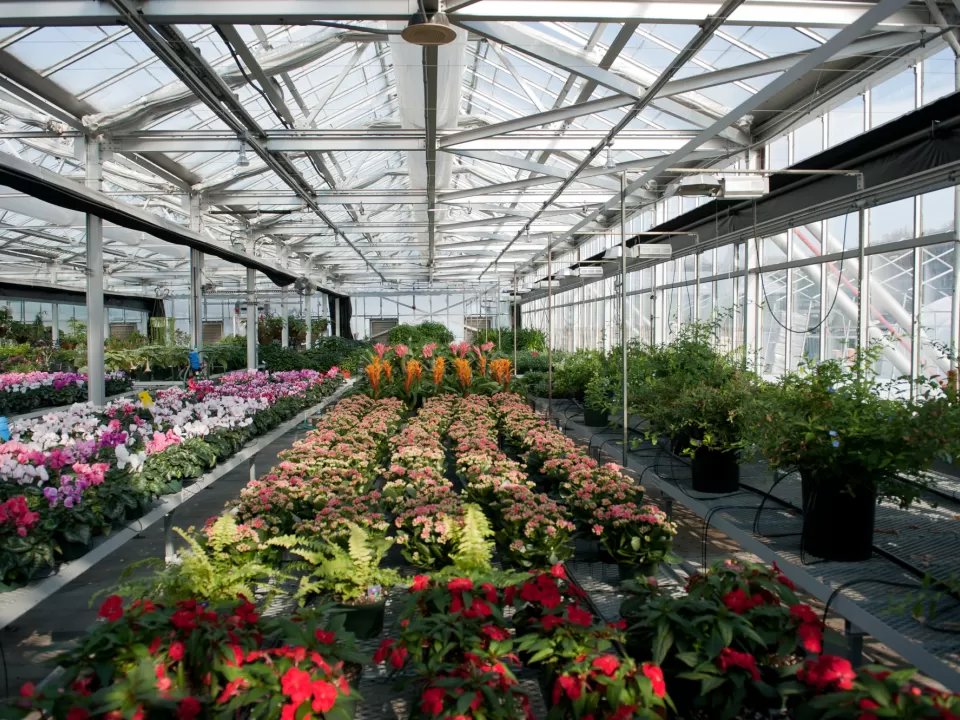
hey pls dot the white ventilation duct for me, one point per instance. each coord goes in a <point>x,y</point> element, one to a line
<point>408,70</point>
<point>64,217</point>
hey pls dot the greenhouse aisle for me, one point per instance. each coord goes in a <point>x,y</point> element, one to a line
<point>68,613</point>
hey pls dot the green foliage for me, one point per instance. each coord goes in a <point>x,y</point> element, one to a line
<point>574,372</point>
<point>209,568</point>
<point>526,340</point>
<point>527,360</point>
<point>326,353</point>
<point>839,424</point>
<point>416,336</point>
<point>474,548</point>
<point>348,576</point>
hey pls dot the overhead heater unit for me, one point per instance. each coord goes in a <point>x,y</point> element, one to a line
<point>590,271</point>
<point>425,29</point>
<point>702,184</point>
<point>647,252</point>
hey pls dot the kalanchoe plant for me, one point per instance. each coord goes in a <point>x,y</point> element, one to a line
<point>637,536</point>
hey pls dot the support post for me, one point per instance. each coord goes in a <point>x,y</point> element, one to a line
<point>95,314</point>
<point>624,326</point>
<point>336,316</point>
<point>168,551</point>
<point>308,315</point>
<point>196,298</point>
<point>514,308</point>
<point>862,289</point>
<point>955,305</point>
<point>251,319</point>
<point>550,329</point>
<point>55,324</point>
<point>285,333</point>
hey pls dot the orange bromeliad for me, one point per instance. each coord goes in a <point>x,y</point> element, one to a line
<point>414,370</point>
<point>438,368</point>
<point>464,374</point>
<point>500,372</point>
<point>375,375</point>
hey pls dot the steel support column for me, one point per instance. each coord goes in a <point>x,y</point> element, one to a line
<point>196,279</point>
<point>284,311</point>
<point>55,324</point>
<point>251,319</point>
<point>862,289</point>
<point>308,316</point>
<point>95,312</point>
<point>336,315</point>
<point>624,325</point>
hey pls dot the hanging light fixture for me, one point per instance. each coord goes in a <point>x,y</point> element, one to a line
<point>242,159</point>
<point>611,165</point>
<point>429,29</point>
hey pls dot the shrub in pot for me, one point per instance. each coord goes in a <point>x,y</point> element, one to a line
<point>694,395</point>
<point>352,578</point>
<point>598,398</point>
<point>851,439</point>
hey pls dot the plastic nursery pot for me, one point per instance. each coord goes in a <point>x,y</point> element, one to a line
<point>70,550</point>
<point>595,418</point>
<point>715,471</point>
<point>837,525</point>
<point>680,442</point>
<point>631,571</point>
<point>365,621</point>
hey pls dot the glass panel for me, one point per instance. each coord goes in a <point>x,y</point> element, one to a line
<point>937,211</point>
<point>706,301</point>
<point>774,250</point>
<point>724,259</point>
<point>706,263</point>
<point>688,299</point>
<point>727,313</point>
<point>893,98</point>
<point>891,222</point>
<point>845,121</point>
<point>891,309</point>
<point>842,233</point>
<point>939,75</point>
<point>672,311</point>
<point>777,153</point>
<point>805,241</point>
<point>805,315</point>
<point>840,306</point>
<point>808,140</point>
<point>772,348</point>
<point>935,307</point>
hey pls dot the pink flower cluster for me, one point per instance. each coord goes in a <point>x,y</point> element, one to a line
<point>16,516</point>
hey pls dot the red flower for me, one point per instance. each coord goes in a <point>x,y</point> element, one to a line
<point>176,650</point>
<point>737,601</point>
<point>27,689</point>
<point>572,686</point>
<point>184,619</point>
<point>784,580</point>
<point>607,664</point>
<point>827,671</point>
<point>398,657</point>
<point>558,571</point>
<point>509,594</point>
<point>247,612</point>
<point>460,584</point>
<point>655,675</point>
<point>234,687</point>
<point>804,613</point>
<point>381,654</point>
<point>868,704</point>
<point>811,637</point>
<point>295,684</point>
<point>188,708</point>
<point>549,622</point>
<point>478,608</point>
<point>495,633</point>
<point>112,608</point>
<point>431,702</point>
<point>489,592</point>
<point>155,645</point>
<point>164,684</point>
<point>324,695</point>
<point>77,713</point>
<point>325,637</point>
<point>620,624</point>
<point>579,616</point>
<point>730,658</point>
<point>420,582</point>
<point>81,686</point>
<point>530,592</point>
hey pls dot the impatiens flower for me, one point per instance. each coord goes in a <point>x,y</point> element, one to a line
<point>176,650</point>
<point>324,696</point>
<point>431,702</point>
<point>112,608</point>
<point>398,656</point>
<point>188,708</point>
<point>655,675</point>
<point>420,582</point>
<point>607,664</point>
<point>77,713</point>
<point>495,633</point>
<point>579,616</point>
<point>325,637</point>
<point>381,654</point>
<point>296,685</point>
<point>827,672</point>
<point>730,658</point>
<point>460,584</point>
<point>558,571</point>
<point>28,689</point>
<point>571,686</point>
<point>551,621</point>
<point>737,601</point>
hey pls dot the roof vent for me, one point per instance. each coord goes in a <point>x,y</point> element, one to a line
<point>429,30</point>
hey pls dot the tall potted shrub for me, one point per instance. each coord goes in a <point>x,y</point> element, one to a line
<point>851,439</point>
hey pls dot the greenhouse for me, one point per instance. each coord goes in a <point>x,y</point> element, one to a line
<point>480,359</point>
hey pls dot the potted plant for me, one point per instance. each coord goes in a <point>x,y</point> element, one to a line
<point>606,687</point>
<point>638,538</point>
<point>352,578</point>
<point>694,396</point>
<point>851,438</point>
<point>597,398</point>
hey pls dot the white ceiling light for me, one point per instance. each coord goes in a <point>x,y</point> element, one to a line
<point>590,271</point>
<point>611,165</point>
<point>242,159</point>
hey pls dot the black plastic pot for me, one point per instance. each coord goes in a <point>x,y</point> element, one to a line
<point>680,442</point>
<point>715,471</point>
<point>837,525</point>
<point>71,550</point>
<point>364,621</point>
<point>595,418</point>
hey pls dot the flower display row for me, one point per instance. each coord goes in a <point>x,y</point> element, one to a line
<point>82,471</point>
<point>24,392</point>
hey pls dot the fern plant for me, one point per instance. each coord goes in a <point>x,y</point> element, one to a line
<point>352,576</point>
<point>473,546</point>
<point>207,569</point>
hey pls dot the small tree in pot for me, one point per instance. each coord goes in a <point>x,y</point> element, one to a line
<point>852,441</point>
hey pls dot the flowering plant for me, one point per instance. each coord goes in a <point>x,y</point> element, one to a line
<point>192,661</point>
<point>479,687</point>
<point>25,548</point>
<point>605,687</point>
<point>635,535</point>
<point>534,530</point>
<point>427,528</point>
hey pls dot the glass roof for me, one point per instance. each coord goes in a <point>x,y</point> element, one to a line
<point>348,109</point>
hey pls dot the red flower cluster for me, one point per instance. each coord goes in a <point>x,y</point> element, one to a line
<point>300,687</point>
<point>739,602</point>
<point>730,658</point>
<point>810,628</point>
<point>828,672</point>
<point>16,515</point>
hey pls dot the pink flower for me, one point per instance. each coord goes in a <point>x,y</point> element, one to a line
<point>401,351</point>
<point>428,350</point>
<point>380,349</point>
